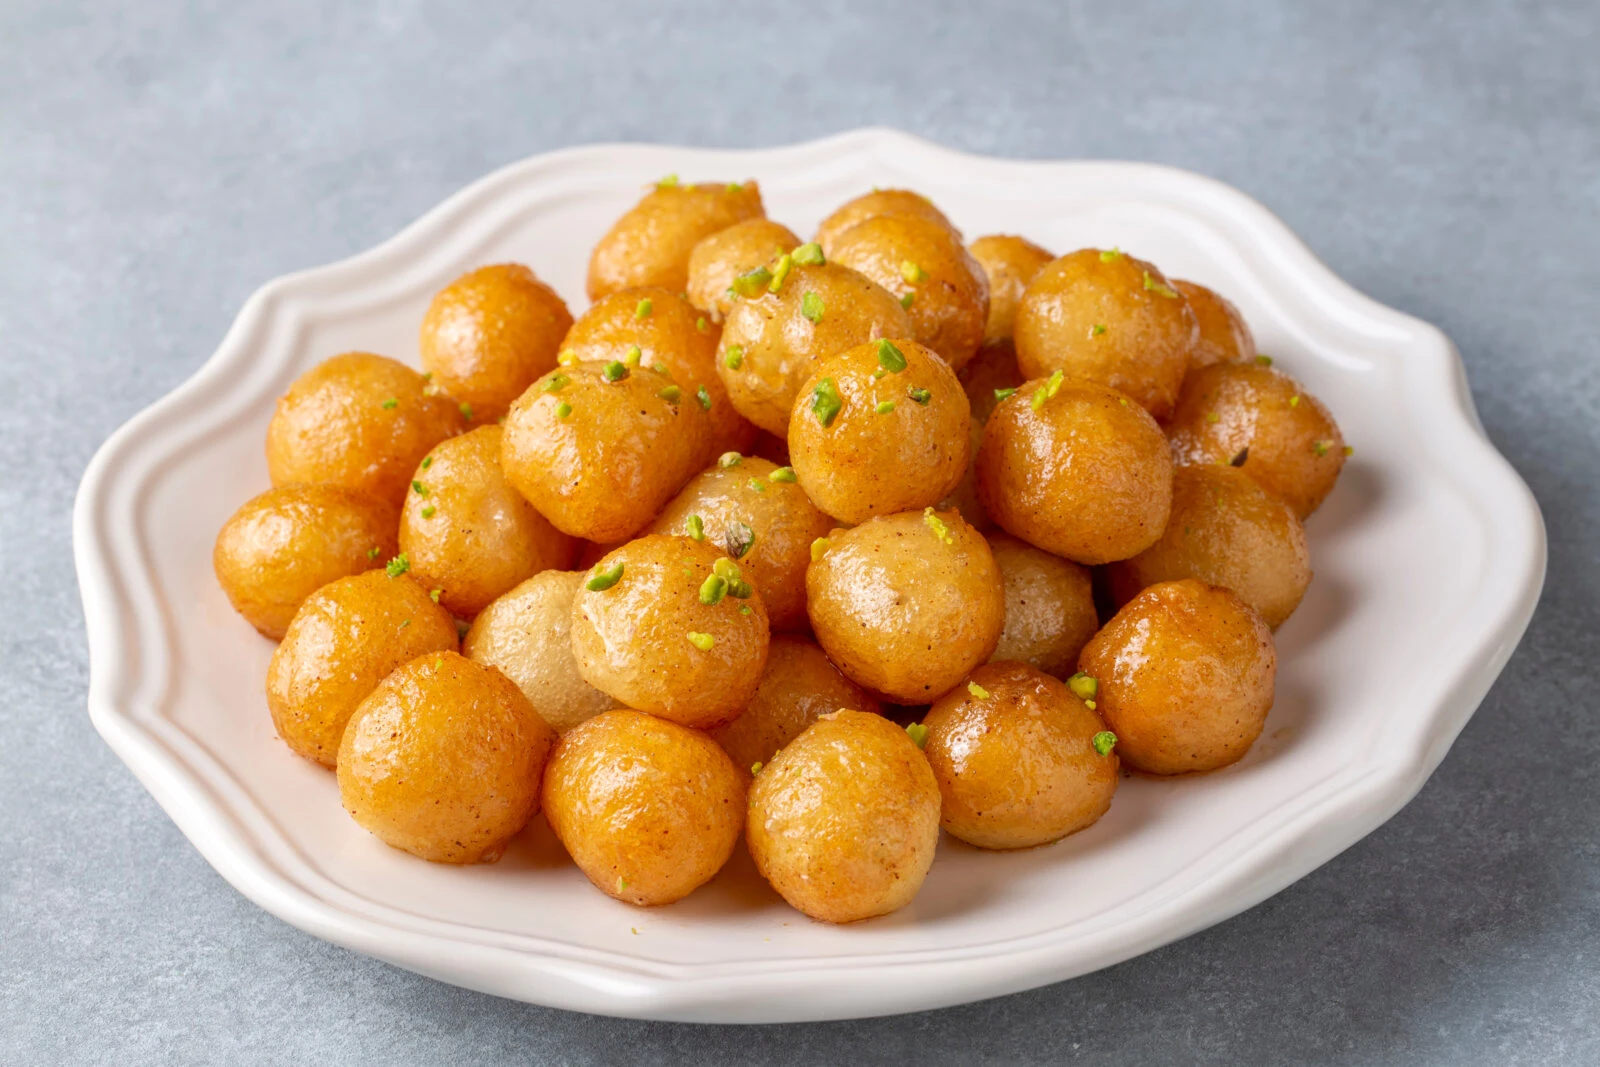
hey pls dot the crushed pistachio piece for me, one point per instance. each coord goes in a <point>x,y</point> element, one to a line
<point>812,307</point>
<point>1294,401</point>
<point>1053,386</point>
<point>918,734</point>
<point>755,768</point>
<point>633,357</point>
<point>671,394</point>
<point>704,397</point>
<point>1263,361</point>
<point>1321,447</point>
<point>825,401</point>
<point>1104,742</point>
<point>1039,397</point>
<point>819,548</point>
<point>735,357</point>
<point>713,589</point>
<point>757,484</point>
<point>466,412</point>
<point>729,459</point>
<point>744,609</point>
<point>563,409</point>
<point>890,358</point>
<point>702,641</point>
<point>936,524</point>
<point>907,300</point>
<point>615,371</point>
<point>695,526</point>
<point>1084,686</point>
<point>912,273</point>
<point>808,255</point>
<point>1004,394</point>
<point>372,553</point>
<point>600,581</point>
<point>418,488</point>
<point>643,309</point>
<point>921,396</point>
<point>1153,286</point>
<point>434,594</point>
<point>428,511</point>
<point>1112,255</point>
<point>884,407</point>
<point>738,540</point>
<point>556,382</point>
<point>701,324</point>
<point>780,272</point>
<point>391,404</point>
<point>566,357</point>
<point>782,474</point>
<point>977,690</point>
<point>398,566</point>
<point>751,284</point>
<point>1097,329</point>
<point>404,623</point>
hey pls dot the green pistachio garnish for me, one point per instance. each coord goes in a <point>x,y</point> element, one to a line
<point>1263,361</point>
<point>733,187</point>
<point>1040,395</point>
<point>391,404</point>
<point>825,402</point>
<point>701,641</point>
<point>427,461</point>
<point>404,623</point>
<point>1097,329</point>
<point>907,300</point>
<point>1151,285</point>
<point>418,488</point>
<point>434,594</point>
<point>398,566</point>
<point>757,484</point>
<point>1004,394</point>
<point>735,357</point>
<point>372,553</point>
<point>890,358</point>
<point>782,474</point>
<point>727,569</point>
<point>563,409</point>
<point>744,609</point>
<point>1294,401</point>
<point>1112,256</point>
<point>466,412</point>
<point>695,527</point>
<point>600,581</point>
<point>921,396</point>
<point>428,511</point>
<point>1321,447</point>
<point>977,690</point>
<point>819,548</point>
<point>615,371</point>
<point>755,768</point>
<point>1053,386</point>
<point>738,540</point>
<point>812,307</point>
<point>556,383</point>
<point>704,397</point>
<point>643,309</point>
<point>912,273</point>
<point>566,357</point>
<point>671,394</point>
<point>751,284</point>
<point>633,356</point>
<point>780,272</point>
<point>1084,686</point>
<point>729,459</point>
<point>808,255</point>
<point>1104,742</point>
<point>884,407</point>
<point>936,524</point>
<point>713,589</point>
<point>701,324</point>
<point>918,734</point>
<point>668,182</point>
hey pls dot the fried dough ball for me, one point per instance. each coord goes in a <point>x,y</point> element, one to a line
<point>1184,674</point>
<point>772,341</point>
<point>597,448</point>
<point>344,640</point>
<point>1014,752</point>
<point>924,265</point>
<point>660,625</point>
<point>1225,530</point>
<point>1112,319</point>
<point>879,202</point>
<point>1009,263</point>
<point>906,604</point>
<point>527,636</point>
<point>653,327</point>
<point>467,533</point>
<point>649,810</point>
<point>361,421</point>
<point>843,822</point>
<point>1081,473</point>
<point>798,687</point>
<point>879,428</point>
<point>651,243</point>
<point>1224,335</point>
<point>1050,612</point>
<point>1261,421</point>
<point>717,260</point>
<point>491,332</point>
<point>443,760</point>
<point>754,511</point>
<point>285,544</point>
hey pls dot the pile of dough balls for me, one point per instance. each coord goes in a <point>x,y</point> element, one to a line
<point>828,544</point>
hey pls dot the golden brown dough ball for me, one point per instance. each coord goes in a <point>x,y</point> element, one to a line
<point>652,327</point>
<point>717,260</point>
<point>798,687</point>
<point>757,513</point>
<point>906,604</point>
<point>1014,752</point>
<point>1009,263</point>
<point>1110,318</point>
<point>597,448</point>
<point>649,810</point>
<point>527,636</point>
<point>879,202</point>
<point>662,625</point>
<point>1184,675</point>
<point>880,428</point>
<point>490,333</point>
<point>1263,422</point>
<point>772,340</point>
<point>924,265</point>
<point>344,640</point>
<point>443,760</point>
<point>650,244</point>
<point>361,421</point>
<point>285,544</point>
<point>843,822</point>
<point>1050,612</point>
<point>469,534</point>
<point>1076,469</point>
<point>1224,335</point>
<point>1225,530</point>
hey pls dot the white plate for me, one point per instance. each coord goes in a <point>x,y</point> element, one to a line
<point>1429,558</point>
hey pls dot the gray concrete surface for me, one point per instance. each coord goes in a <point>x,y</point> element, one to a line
<point>160,160</point>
